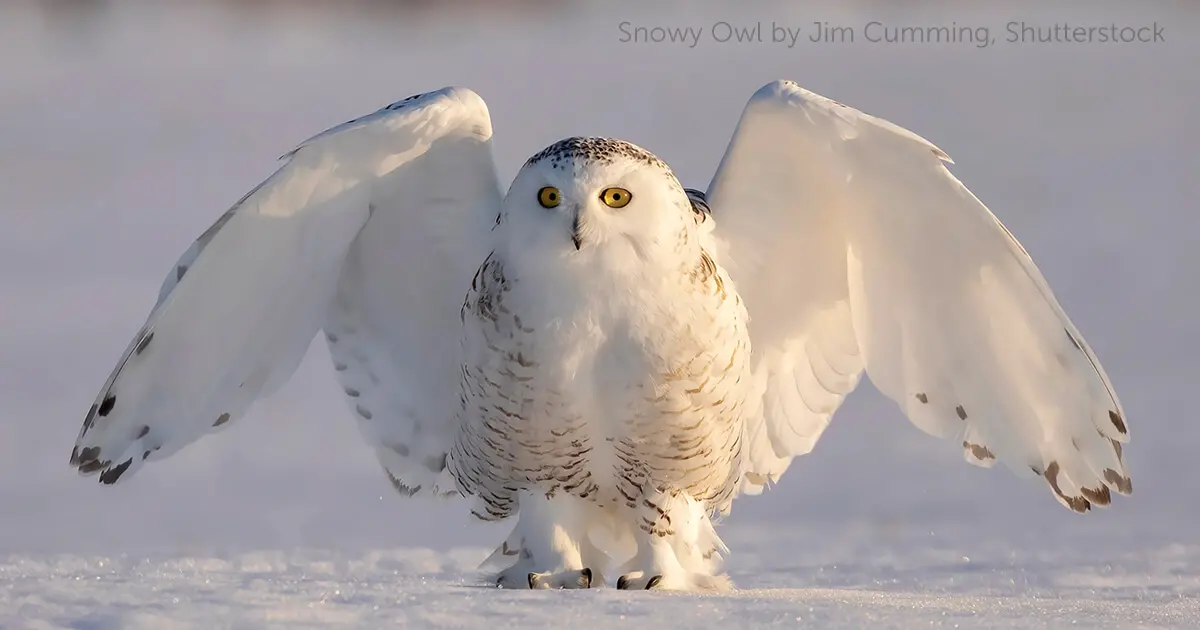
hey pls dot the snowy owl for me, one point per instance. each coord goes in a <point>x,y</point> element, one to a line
<point>602,355</point>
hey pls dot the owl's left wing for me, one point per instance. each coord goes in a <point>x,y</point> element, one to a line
<point>854,247</point>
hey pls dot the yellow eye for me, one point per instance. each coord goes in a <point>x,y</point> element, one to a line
<point>615,197</point>
<point>549,197</point>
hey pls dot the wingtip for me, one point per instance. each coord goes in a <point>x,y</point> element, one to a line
<point>113,474</point>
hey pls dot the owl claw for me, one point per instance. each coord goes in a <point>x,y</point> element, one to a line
<point>627,583</point>
<point>638,581</point>
<point>572,579</point>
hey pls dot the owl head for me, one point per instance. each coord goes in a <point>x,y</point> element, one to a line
<point>598,199</point>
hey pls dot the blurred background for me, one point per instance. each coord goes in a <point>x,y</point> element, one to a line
<point>127,127</point>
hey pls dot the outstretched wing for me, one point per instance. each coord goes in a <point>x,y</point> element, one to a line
<point>854,247</point>
<point>371,230</point>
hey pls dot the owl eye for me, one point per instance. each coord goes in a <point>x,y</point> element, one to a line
<point>615,197</point>
<point>549,197</point>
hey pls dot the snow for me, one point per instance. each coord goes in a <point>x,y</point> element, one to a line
<point>853,583</point>
<point>128,129</point>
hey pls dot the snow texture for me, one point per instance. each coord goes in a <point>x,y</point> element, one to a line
<point>851,583</point>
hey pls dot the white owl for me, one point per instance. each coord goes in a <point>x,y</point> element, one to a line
<point>625,362</point>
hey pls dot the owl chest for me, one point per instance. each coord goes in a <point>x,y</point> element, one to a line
<point>624,374</point>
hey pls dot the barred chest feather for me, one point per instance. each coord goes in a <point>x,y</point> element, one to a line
<point>604,393</point>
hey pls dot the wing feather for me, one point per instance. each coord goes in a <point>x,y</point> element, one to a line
<point>310,248</point>
<point>855,248</point>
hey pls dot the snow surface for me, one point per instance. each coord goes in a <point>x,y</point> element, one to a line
<point>853,582</point>
<point>125,130</point>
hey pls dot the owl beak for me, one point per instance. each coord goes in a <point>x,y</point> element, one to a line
<point>576,231</point>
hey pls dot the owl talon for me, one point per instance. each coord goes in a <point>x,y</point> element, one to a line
<point>571,579</point>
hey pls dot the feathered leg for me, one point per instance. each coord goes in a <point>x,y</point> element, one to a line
<point>550,543</point>
<point>677,547</point>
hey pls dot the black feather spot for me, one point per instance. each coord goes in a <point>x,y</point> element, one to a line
<point>107,404</point>
<point>1078,504</point>
<point>179,271</point>
<point>221,419</point>
<point>923,398</point>
<point>92,467</point>
<point>981,453</point>
<point>962,413</point>
<point>364,412</point>
<point>91,417</point>
<point>145,455</point>
<point>89,454</point>
<point>400,486</point>
<point>1097,497</point>
<point>1123,484</point>
<point>111,475</point>
<point>353,393</point>
<point>1118,422</point>
<point>141,434</point>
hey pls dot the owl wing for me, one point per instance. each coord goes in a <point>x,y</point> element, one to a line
<point>371,230</point>
<point>856,249</point>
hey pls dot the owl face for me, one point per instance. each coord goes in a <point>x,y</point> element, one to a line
<point>582,198</point>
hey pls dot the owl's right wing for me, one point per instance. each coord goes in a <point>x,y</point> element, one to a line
<point>856,250</point>
<point>372,230</point>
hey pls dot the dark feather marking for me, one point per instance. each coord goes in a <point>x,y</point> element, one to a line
<point>111,475</point>
<point>143,433</point>
<point>402,487</point>
<point>1078,504</point>
<point>601,150</point>
<point>107,404</point>
<point>1097,497</point>
<point>92,467</point>
<point>221,419</point>
<point>1118,422</point>
<point>982,453</point>
<point>89,454</point>
<point>923,398</point>
<point>1123,484</point>
<point>962,413</point>
<point>365,413</point>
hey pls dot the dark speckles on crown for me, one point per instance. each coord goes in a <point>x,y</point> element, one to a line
<point>601,150</point>
<point>401,103</point>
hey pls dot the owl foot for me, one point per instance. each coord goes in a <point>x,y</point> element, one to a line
<point>563,579</point>
<point>520,577</point>
<point>676,581</point>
